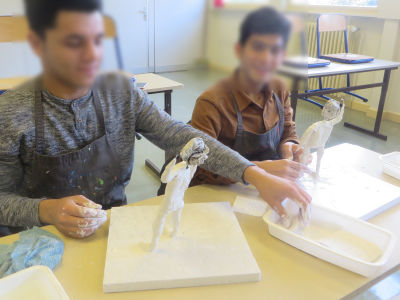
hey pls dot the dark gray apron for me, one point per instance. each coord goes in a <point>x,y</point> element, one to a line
<point>93,171</point>
<point>259,147</point>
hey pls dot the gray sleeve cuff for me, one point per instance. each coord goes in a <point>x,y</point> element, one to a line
<point>19,211</point>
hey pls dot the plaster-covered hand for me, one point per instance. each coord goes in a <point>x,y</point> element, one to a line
<point>75,216</point>
<point>292,151</point>
<point>274,189</point>
<point>295,214</point>
<point>284,168</point>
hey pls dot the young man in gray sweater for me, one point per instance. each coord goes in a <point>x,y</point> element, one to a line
<point>67,137</point>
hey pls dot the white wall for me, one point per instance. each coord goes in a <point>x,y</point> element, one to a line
<point>16,59</point>
<point>179,33</point>
<point>133,32</point>
<point>179,27</point>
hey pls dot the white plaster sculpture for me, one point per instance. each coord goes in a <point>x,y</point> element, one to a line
<point>177,176</point>
<point>316,136</point>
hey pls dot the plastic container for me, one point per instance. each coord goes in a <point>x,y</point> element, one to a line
<point>391,164</point>
<point>347,242</point>
<point>36,282</point>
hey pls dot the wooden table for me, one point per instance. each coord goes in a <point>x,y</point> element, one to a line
<point>287,273</point>
<point>155,84</point>
<point>333,69</point>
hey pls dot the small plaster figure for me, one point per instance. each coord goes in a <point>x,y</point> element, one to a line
<point>316,136</point>
<point>177,176</point>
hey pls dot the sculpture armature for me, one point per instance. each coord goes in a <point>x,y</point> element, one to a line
<point>177,176</point>
<point>316,136</point>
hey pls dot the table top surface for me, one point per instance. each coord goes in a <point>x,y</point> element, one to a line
<point>338,68</point>
<point>155,83</point>
<point>287,273</point>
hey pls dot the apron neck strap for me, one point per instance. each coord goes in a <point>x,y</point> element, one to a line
<point>39,120</point>
<point>238,113</point>
<point>97,106</point>
<point>279,108</point>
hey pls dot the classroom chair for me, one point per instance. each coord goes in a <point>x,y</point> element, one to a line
<point>329,23</point>
<point>298,28</point>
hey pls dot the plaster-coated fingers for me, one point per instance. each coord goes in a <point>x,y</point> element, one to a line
<point>305,215</point>
<point>301,197</point>
<point>79,233</point>
<point>72,221</point>
<point>83,201</point>
<point>294,170</point>
<point>74,207</point>
<point>297,154</point>
<point>279,209</point>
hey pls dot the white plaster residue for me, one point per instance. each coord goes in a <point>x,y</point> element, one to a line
<point>252,207</point>
<point>346,243</point>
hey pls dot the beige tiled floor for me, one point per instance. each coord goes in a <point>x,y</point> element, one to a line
<point>144,184</point>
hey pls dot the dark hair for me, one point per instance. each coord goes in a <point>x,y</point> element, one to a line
<point>266,20</point>
<point>42,14</point>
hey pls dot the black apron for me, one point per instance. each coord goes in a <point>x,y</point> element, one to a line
<point>93,171</point>
<point>259,147</point>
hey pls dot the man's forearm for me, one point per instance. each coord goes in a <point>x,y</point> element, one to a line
<point>172,135</point>
<point>16,210</point>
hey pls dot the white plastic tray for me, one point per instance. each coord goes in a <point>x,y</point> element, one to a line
<point>391,164</point>
<point>36,282</point>
<point>347,242</point>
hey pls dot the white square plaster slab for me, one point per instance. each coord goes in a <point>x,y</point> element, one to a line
<point>351,192</point>
<point>209,249</point>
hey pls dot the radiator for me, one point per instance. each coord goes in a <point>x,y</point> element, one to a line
<point>331,42</point>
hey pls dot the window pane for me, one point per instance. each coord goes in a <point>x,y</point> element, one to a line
<point>359,3</point>
<point>246,1</point>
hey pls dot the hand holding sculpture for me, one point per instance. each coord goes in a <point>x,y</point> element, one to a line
<point>177,176</point>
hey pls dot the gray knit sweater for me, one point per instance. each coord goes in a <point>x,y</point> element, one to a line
<point>70,125</point>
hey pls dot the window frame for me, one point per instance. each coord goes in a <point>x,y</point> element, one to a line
<point>363,11</point>
<point>304,8</point>
<point>335,6</point>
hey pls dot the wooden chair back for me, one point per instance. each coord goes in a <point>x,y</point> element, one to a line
<point>331,22</point>
<point>16,28</point>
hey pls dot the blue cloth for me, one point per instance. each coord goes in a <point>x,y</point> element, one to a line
<point>35,247</point>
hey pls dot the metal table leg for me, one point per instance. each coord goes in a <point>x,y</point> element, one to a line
<point>378,120</point>
<point>294,96</point>
<point>167,108</point>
